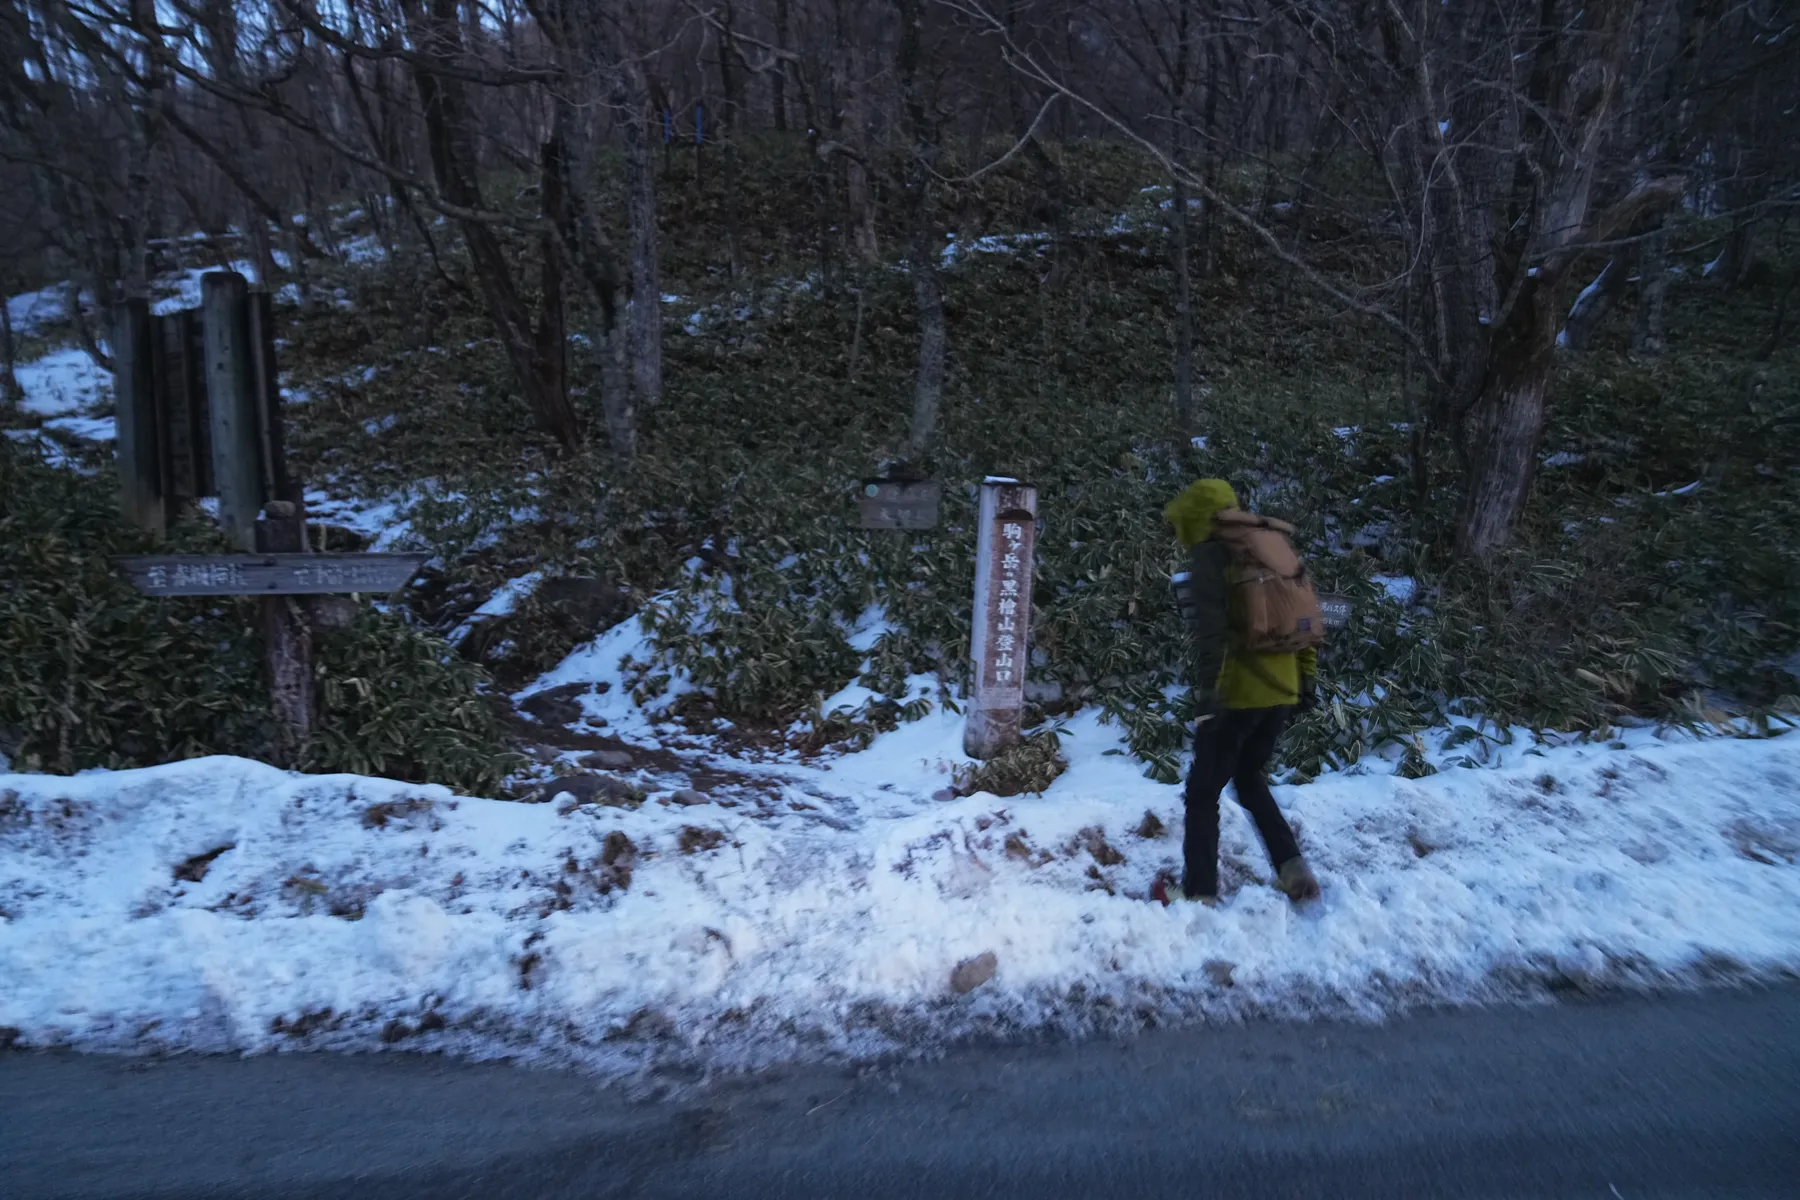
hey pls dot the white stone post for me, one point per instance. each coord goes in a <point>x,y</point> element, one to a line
<point>1001,643</point>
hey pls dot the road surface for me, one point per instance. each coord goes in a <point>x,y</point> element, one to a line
<point>1693,1095</point>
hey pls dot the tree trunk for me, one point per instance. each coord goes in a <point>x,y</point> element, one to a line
<point>550,345</point>
<point>450,142</point>
<point>256,238</point>
<point>821,176</point>
<point>730,84</point>
<point>928,297</point>
<point>645,312</point>
<point>1181,226</point>
<point>863,240</point>
<point>1052,207</point>
<point>856,328</point>
<point>11,394</point>
<point>1777,326</point>
<point>1653,288</point>
<point>1575,70</point>
<point>928,292</point>
<point>1185,414</point>
<point>778,83</point>
<point>1505,426</point>
<point>595,260</point>
<point>618,395</point>
<point>1216,62</point>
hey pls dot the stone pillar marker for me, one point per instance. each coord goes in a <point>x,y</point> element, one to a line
<point>1001,642</point>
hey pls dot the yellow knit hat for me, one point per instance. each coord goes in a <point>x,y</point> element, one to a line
<point>1192,512</point>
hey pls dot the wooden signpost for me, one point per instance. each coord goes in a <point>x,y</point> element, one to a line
<point>269,574</point>
<point>137,418</point>
<point>899,503</point>
<point>1336,609</point>
<point>199,409</point>
<point>199,414</point>
<point>277,575</point>
<point>1001,645</point>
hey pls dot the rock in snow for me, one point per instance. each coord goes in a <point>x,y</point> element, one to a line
<point>971,973</point>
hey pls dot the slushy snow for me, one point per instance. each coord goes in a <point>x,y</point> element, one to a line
<point>817,910</point>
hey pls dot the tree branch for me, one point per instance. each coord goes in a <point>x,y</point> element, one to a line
<point>1024,61</point>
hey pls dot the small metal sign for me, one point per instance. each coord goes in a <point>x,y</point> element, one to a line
<point>899,503</point>
<point>268,574</point>
<point>1336,610</point>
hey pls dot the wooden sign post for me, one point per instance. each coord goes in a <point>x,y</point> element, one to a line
<point>268,574</point>
<point>287,635</point>
<point>232,399</point>
<point>200,415</point>
<point>199,409</point>
<point>1001,644</point>
<point>278,575</point>
<point>136,418</point>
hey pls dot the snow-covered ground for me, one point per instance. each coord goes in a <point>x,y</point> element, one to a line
<point>32,312</point>
<point>818,910</point>
<point>64,391</point>
<point>63,382</point>
<point>796,909</point>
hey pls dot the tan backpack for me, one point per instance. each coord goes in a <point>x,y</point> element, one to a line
<point>1274,608</point>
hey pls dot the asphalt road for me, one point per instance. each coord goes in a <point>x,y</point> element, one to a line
<point>1691,1095</point>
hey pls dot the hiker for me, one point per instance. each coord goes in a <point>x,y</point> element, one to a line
<point>1244,588</point>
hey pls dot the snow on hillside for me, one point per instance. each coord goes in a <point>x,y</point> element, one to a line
<point>63,382</point>
<point>806,909</point>
<point>31,312</point>
<point>820,910</point>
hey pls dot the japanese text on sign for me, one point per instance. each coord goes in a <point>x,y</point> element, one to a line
<point>336,575</point>
<point>1007,669</point>
<point>268,574</point>
<point>185,575</point>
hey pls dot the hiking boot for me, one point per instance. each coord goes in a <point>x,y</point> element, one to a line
<point>1166,893</point>
<point>1296,880</point>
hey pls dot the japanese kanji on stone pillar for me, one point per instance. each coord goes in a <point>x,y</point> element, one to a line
<point>1001,644</point>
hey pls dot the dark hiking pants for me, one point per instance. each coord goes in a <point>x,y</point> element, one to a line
<point>1233,747</point>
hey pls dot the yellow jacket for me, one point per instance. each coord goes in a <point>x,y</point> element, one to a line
<point>1235,677</point>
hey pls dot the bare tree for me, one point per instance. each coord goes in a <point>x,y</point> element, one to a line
<point>535,352</point>
<point>1577,58</point>
<point>631,98</point>
<point>1486,158</point>
<point>921,123</point>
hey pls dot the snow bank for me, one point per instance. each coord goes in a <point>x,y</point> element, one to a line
<point>221,904</point>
